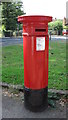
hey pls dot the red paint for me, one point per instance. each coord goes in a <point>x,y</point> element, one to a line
<point>35,62</point>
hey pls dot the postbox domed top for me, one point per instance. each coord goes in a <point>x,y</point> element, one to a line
<point>34,18</point>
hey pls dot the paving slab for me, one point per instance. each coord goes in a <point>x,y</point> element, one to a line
<point>13,107</point>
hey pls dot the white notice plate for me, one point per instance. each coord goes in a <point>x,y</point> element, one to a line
<point>40,43</point>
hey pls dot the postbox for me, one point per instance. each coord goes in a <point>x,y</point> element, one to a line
<point>35,50</point>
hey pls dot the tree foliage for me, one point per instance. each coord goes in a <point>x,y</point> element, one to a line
<point>66,27</point>
<point>10,12</point>
<point>56,26</point>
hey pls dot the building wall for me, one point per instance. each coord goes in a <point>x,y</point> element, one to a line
<point>65,21</point>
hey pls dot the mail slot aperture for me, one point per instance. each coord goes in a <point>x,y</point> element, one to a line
<point>40,30</point>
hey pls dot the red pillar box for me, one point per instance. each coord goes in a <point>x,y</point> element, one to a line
<point>35,48</point>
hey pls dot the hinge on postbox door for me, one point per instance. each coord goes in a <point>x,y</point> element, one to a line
<point>46,37</point>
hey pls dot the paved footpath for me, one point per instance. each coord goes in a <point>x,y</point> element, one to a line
<point>13,107</point>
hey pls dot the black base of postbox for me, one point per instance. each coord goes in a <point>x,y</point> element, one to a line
<point>36,100</point>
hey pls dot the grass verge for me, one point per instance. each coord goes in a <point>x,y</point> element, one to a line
<point>13,68</point>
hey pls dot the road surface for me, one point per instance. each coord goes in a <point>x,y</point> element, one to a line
<point>11,41</point>
<point>15,41</point>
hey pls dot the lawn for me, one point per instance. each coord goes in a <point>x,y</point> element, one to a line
<point>57,65</point>
<point>13,69</point>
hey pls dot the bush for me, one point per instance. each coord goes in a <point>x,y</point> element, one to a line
<point>8,33</point>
